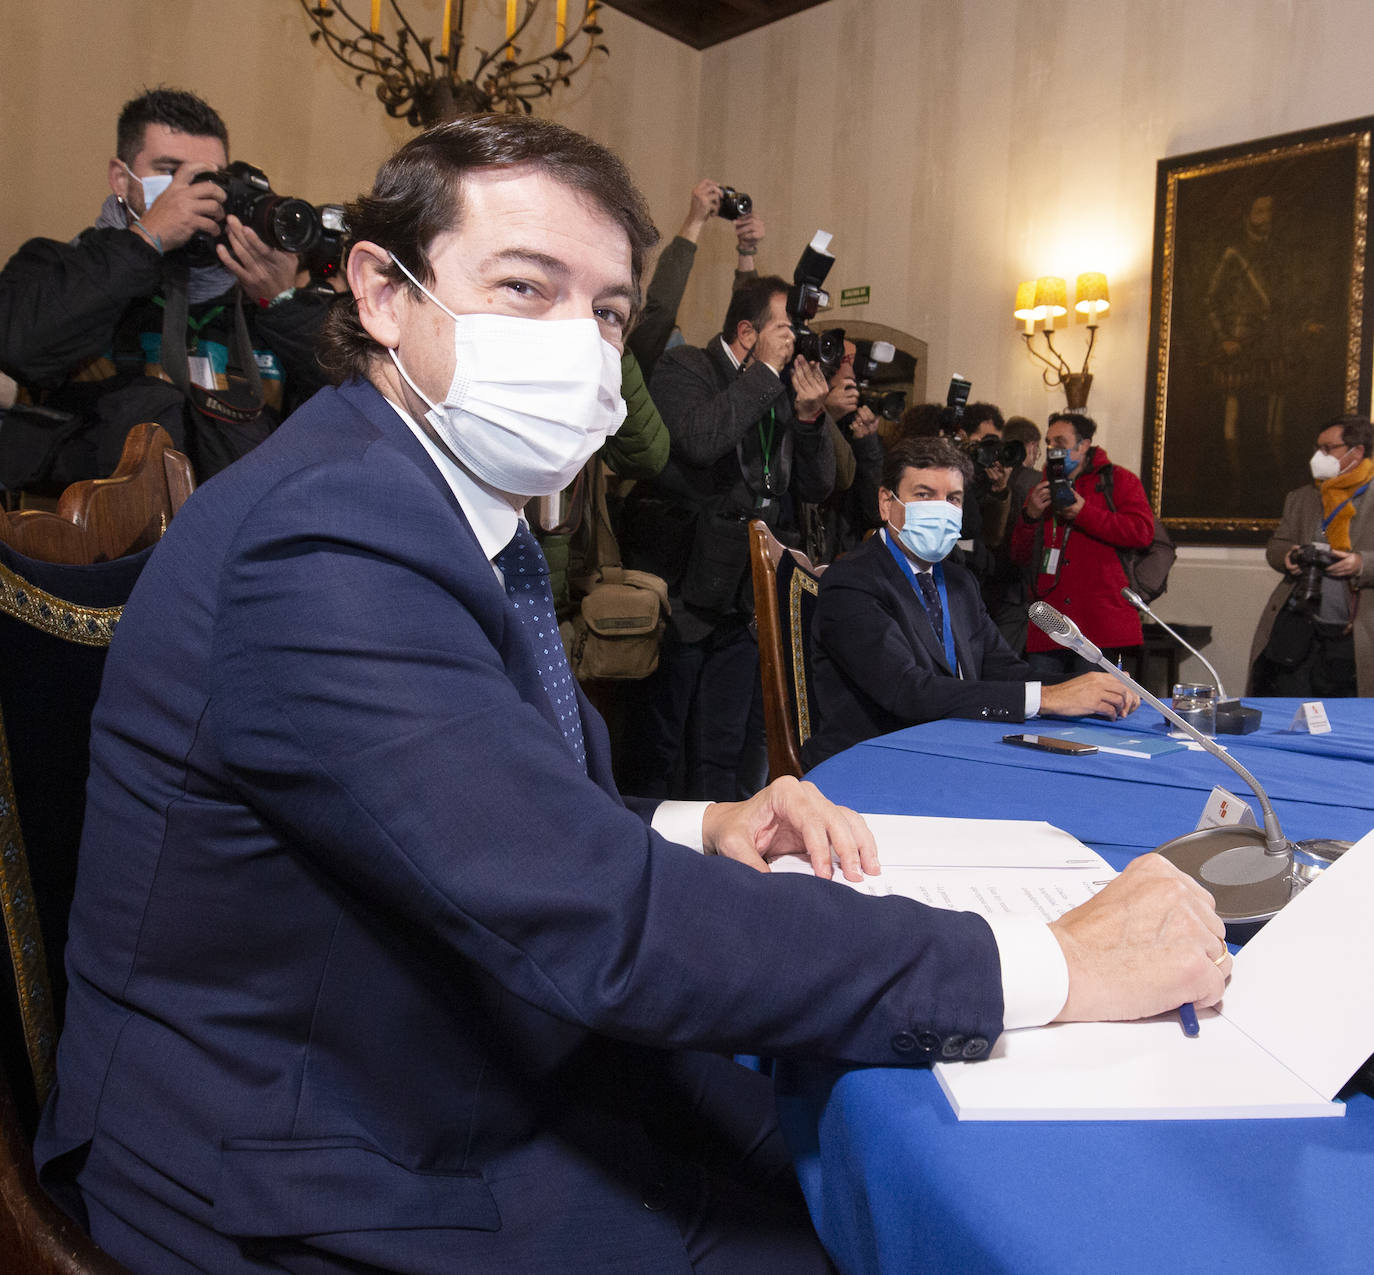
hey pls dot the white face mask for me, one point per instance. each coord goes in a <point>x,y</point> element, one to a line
<point>153,186</point>
<point>1323,465</point>
<point>531,400</point>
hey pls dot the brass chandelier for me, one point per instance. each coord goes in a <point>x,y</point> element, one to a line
<point>420,80</point>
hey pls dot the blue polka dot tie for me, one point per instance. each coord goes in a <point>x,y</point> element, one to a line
<point>527,584</point>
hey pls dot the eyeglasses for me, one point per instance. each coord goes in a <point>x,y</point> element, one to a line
<point>1330,449</point>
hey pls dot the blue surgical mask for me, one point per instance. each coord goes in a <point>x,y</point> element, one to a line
<point>1070,463</point>
<point>931,529</point>
<point>153,185</point>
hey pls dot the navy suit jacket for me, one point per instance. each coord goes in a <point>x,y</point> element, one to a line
<point>363,966</point>
<point>877,665</point>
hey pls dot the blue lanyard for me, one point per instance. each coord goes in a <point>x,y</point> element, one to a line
<point>1354,495</point>
<point>938,571</point>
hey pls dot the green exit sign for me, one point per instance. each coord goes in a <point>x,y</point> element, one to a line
<point>855,296</point>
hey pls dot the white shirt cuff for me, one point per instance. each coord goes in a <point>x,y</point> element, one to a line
<point>1032,700</point>
<point>1035,975</point>
<point>680,821</point>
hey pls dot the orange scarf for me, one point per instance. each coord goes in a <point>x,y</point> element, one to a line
<point>1334,491</point>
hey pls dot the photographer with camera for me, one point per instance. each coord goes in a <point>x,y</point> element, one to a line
<point>167,309</point>
<point>1314,638</point>
<point>746,420</point>
<point>1072,529</point>
<point>662,297</point>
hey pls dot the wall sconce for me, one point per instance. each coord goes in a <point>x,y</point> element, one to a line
<point>1044,301</point>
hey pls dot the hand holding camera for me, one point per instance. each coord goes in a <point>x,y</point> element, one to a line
<point>190,205</point>
<point>263,272</point>
<point>775,345</point>
<point>809,388</point>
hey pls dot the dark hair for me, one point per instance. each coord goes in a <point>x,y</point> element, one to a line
<point>921,420</point>
<point>1021,429</point>
<point>417,196</point>
<point>750,303</point>
<point>976,413</point>
<point>180,111</point>
<point>1356,431</point>
<point>923,453</point>
<point>1083,426</point>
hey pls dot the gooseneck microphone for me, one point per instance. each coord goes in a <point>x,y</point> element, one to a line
<point>1143,607</point>
<point>1059,628</point>
<point>1250,872</point>
<point>1233,718</point>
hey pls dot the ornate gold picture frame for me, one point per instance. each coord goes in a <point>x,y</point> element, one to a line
<point>1260,324</point>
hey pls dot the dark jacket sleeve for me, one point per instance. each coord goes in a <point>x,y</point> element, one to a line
<point>661,300</point>
<point>59,303</point>
<point>640,448</point>
<point>704,422</point>
<point>813,460</point>
<point>291,330</point>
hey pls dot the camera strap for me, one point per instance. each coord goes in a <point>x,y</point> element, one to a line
<point>237,407</point>
<point>1350,499</point>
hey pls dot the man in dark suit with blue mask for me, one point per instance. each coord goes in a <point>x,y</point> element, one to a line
<point>371,966</point>
<point>901,636</point>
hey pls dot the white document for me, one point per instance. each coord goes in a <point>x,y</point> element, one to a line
<point>1296,1022</point>
<point>995,867</point>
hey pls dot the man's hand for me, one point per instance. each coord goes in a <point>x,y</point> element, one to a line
<point>184,208</point>
<point>775,345</point>
<point>809,388</point>
<point>1098,693</point>
<point>1067,513</point>
<point>863,424</point>
<point>1348,563</point>
<point>1147,943</point>
<point>997,477</point>
<point>1290,560</point>
<point>1037,501</point>
<point>791,817</point>
<point>262,271</point>
<point>748,233</point>
<point>842,397</point>
<point>705,201</point>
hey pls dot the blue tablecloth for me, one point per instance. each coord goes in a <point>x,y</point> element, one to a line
<point>896,1184</point>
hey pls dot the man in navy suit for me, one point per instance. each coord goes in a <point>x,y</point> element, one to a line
<point>900,636</point>
<point>371,967</point>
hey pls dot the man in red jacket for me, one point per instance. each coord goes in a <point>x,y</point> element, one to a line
<point>1075,548</point>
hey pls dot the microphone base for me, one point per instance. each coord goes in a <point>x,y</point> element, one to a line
<point>1233,718</point>
<point>1232,863</point>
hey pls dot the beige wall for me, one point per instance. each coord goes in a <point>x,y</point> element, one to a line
<point>953,147</point>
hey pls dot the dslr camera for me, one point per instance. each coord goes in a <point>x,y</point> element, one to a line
<point>991,450</point>
<point>868,358</point>
<point>952,416</point>
<point>1062,493</point>
<point>805,297</point>
<point>1312,560</point>
<point>325,259</point>
<point>290,225</point>
<point>734,204</point>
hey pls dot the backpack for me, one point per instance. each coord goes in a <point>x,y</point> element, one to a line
<point>1147,570</point>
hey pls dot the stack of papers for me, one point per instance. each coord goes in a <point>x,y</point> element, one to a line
<point>1296,1023</point>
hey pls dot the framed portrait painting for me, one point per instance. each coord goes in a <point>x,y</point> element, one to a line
<point>1260,324</point>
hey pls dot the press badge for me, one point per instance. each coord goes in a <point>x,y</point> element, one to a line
<point>202,372</point>
<point>1050,566</point>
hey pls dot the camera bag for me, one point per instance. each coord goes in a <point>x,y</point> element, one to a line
<point>1147,570</point>
<point>617,630</point>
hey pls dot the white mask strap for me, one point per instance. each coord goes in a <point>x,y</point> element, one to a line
<point>405,376</point>
<point>400,265</point>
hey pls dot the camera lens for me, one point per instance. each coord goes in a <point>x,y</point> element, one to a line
<point>291,224</point>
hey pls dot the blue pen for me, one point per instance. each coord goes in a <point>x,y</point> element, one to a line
<point>1187,1015</point>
